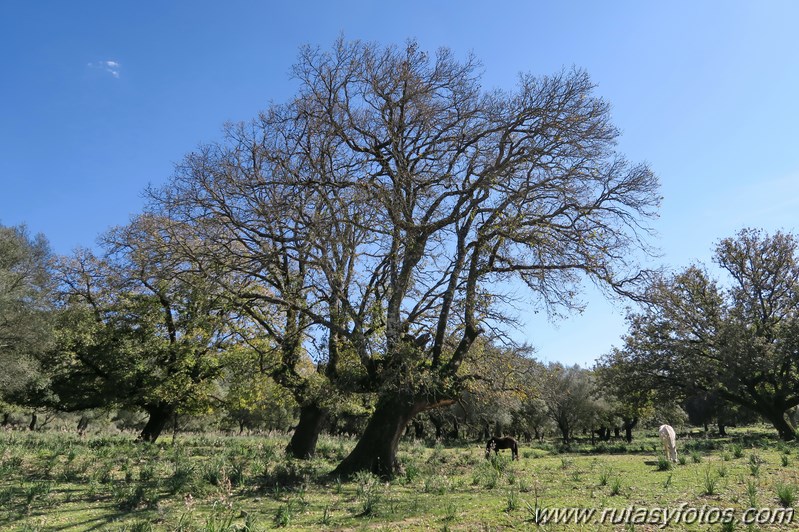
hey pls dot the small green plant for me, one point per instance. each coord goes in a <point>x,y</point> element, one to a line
<point>214,472</point>
<point>737,451</point>
<point>725,456</point>
<point>785,460</point>
<point>604,476</point>
<point>132,497</point>
<point>37,490</point>
<point>450,511</point>
<point>499,462</point>
<point>683,460</point>
<point>615,487</point>
<point>696,457</point>
<point>664,464</point>
<point>411,472</point>
<point>512,501</point>
<point>754,465</point>
<point>786,494</point>
<point>182,477</point>
<point>368,491</point>
<point>326,518</point>
<point>219,521</point>
<point>709,483</point>
<point>722,470</point>
<point>146,473</point>
<point>751,493</point>
<point>667,483</point>
<point>435,484</point>
<point>284,514</point>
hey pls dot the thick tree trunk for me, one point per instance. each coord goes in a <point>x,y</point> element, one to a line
<point>722,429</point>
<point>376,450</point>
<point>565,431</point>
<point>418,429</point>
<point>629,425</point>
<point>303,441</point>
<point>455,433</point>
<point>34,418</point>
<point>778,419</point>
<point>83,424</point>
<point>159,416</point>
<point>438,424</point>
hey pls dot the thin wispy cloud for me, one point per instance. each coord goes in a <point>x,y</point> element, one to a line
<point>110,66</point>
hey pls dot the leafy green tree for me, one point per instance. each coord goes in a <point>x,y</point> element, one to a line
<point>739,342</point>
<point>251,398</point>
<point>569,396</point>
<point>500,380</point>
<point>138,329</point>
<point>26,304</point>
<point>630,392</point>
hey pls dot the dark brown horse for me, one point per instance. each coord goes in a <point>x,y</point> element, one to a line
<point>502,443</point>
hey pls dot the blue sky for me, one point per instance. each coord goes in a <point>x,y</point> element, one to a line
<point>98,99</point>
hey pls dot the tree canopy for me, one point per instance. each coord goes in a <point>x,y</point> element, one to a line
<point>738,340</point>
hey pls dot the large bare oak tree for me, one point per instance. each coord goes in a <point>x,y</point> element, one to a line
<point>408,206</point>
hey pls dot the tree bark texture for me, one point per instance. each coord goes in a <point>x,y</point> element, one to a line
<point>376,450</point>
<point>303,441</point>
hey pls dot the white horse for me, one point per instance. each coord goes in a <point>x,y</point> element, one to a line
<point>669,440</point>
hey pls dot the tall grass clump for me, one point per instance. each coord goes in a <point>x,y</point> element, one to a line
<point>709,483</point>
<point>664,464</point>
<point>751,493</point>
<point>786,494</point>
<point>604,476</point>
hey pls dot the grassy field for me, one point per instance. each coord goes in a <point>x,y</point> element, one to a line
<point>55,481</point>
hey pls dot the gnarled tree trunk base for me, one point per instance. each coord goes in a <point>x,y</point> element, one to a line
<point>376,450</point>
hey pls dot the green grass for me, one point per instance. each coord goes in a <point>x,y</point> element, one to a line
<point>215,483</point>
